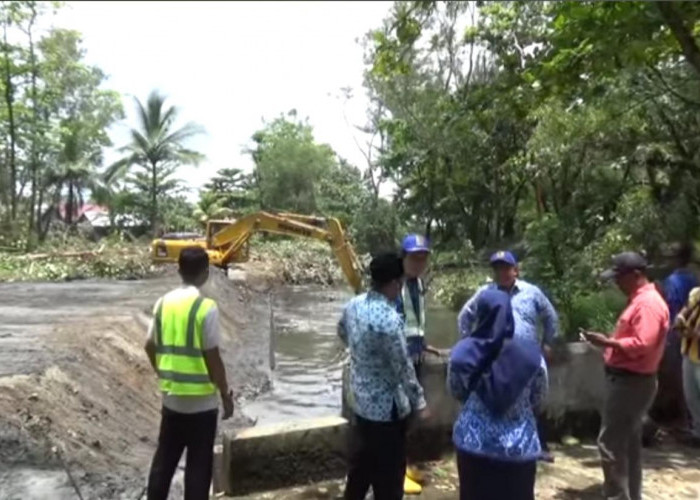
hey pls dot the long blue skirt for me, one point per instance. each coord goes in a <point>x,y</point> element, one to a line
<point>485,479</point>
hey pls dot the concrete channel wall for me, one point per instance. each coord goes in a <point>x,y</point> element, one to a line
<point>277,456</point>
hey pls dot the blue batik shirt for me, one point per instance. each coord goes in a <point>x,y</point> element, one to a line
<point>509,437</point>
<point>382,378</point>
<point>530,305</point>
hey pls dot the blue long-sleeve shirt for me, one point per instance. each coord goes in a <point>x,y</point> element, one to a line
<point>677,287</point>
<point>509,437</point>
<point>530,305</point>
<point>382,378</point>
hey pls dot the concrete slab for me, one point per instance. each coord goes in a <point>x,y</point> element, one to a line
<point>276,456</point>
<point>576,379</point>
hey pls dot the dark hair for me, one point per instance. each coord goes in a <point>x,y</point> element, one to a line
<point>193,261</point>
<point>385,268</point>
<point>684,254</point>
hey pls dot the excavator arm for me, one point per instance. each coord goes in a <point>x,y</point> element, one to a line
<point>226,244</point>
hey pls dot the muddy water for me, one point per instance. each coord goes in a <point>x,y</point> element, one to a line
<point>308,354</point>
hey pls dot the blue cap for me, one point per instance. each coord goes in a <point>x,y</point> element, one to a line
<point>503,257</point>
<point>415,243</point>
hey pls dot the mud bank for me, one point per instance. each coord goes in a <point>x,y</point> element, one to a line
<point>77,394</point>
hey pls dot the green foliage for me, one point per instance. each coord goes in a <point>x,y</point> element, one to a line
<point>453,288</point>
<point>298,261</point>
<point>176,213</point>
<point>293,173</point>
<point>341,192</point>
<point>595,311</point>
<point>209,207</point>
<point>566,127</point>
<point>54,115</point>
<point>375,226</point>
<point>112,258</point>
<point>288,164</point>
<point>229,190</point>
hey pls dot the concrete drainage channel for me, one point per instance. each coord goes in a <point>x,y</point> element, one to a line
<point>310,450</point>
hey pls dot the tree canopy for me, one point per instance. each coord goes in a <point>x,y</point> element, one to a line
<point>294,173</point>
<point>54,115</point>
<point>565,129</point>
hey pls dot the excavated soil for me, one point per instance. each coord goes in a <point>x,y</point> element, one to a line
<point>79,405</point>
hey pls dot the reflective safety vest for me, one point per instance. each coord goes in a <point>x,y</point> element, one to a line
<point>182,369</point>
<point>414,325</point>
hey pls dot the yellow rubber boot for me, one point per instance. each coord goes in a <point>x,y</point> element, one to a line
<point>410,487</point>
<point>415,474</point>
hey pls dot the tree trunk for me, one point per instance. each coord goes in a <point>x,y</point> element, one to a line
<point>40,203</point>
<point>154,199</point>
<point>9,102</point>
<point>41,233</point>
<point>44,229</point>
<point>680,31</point>
<point>35,108</point>
<point>257,176</point>
<point>69,204</point>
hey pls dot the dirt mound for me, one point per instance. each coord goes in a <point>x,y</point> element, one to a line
<point>92,405</point>
<point>245,312</point>
<point>98,412</point>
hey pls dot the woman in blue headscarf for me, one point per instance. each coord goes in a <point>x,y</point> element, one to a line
<point>500,381</point>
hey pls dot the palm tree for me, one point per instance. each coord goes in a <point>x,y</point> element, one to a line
<point>156,148</point>
<point>210,207</point>
<point>74,172</point>
<point>73,178</point>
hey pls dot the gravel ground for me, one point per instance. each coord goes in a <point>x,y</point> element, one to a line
<point>671,472</point>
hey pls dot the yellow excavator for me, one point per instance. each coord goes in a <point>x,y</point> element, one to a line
<point>226,241</point>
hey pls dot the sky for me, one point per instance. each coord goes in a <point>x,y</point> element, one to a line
<point>229,65</point>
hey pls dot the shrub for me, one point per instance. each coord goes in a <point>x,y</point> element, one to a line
<point>453,288</point>
<point>597,311</point>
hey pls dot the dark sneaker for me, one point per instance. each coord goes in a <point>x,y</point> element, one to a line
<point>547,457</point>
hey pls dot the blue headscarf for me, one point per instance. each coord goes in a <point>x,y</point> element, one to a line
<point>488,362</point>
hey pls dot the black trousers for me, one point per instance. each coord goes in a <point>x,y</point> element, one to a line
<point>377,458</point>
<point>194,432</point>
<point>485,479</point>
<point>411,452</point>
<point>542,431</point>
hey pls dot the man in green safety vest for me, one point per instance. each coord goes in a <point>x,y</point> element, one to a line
<point>410,305</point>
<point>183,348</point>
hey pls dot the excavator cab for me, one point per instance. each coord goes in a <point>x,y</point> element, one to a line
<point>167,248</point>
<point>215,226</point>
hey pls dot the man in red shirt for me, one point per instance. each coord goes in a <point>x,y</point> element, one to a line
<point>632,356</point>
